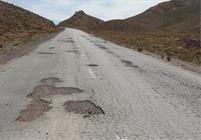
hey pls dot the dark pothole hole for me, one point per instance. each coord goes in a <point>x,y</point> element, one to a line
<point>46,53</point>
<point>92,65</point>
<point>87,108</point>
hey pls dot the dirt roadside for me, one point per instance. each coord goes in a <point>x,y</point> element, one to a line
<point>11,51</point>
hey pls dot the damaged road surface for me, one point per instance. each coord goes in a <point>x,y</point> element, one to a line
<point>83,107</point>
<point>79,87</point>
<point>39,105</point>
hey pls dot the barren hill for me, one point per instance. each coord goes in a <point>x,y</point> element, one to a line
<point>82,21</point>
<point>170,29</point>
<point>16,22</point>
<point>174,15</point>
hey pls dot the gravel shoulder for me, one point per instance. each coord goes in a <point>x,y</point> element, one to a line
<point>12,51</point>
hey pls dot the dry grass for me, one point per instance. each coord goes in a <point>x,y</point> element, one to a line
<point>20,26</point>
<point>167,45</point>
<point>20,46</point>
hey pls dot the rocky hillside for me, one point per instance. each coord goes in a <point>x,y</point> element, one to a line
<point>170,29</point>
<point>17,22</point>
<point>174,15</point>
<point>82,21</point>
<point>182,15</point>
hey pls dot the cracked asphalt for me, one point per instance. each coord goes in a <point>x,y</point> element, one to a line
<point>143,98</point>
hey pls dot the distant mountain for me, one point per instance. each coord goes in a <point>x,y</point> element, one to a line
<point>16,22</point>
<point>81,20</point>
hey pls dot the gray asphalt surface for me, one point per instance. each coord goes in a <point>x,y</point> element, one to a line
<point>143,97</point>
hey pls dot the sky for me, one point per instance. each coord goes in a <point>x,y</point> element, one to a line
<point>59,10</point>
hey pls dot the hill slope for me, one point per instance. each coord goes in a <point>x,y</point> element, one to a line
<point>82,21</point>
<point>170,29</point>
<point>16,22</point>
<point>182,15</point>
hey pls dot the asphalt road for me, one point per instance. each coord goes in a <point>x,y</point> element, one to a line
<point>143,98</point>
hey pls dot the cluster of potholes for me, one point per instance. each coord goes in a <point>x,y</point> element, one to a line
<point>127,63</point>
<point>39,105</point>
<point>69,40</point>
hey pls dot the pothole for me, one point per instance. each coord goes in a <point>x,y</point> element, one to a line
<point>101,46</point>
<point>67,41</point>
<point>109,52</point>
<point>51,48</point>
<point>73,51</point>
<point>86,107</point>
<point>50,90</point>
<point>127,63</point>
<point>34,110</point>
<point>46,53</point>
<point>50,81</point>
<point>92,65</point>
<point>47,88</point>
<point>130,64</point>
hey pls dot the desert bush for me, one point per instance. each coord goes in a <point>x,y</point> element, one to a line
<point>168,58</point>
<point>139,49</point>
<point>16,44</point>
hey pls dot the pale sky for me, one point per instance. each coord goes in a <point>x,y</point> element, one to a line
<point>59,10</point>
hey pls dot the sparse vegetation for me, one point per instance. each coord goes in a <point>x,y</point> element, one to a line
<point>19,29</point>
<point>140,49</point>
<point>20,25</point>
<point>168,56</point>
<point>155,42</point>
<point>23,46</point>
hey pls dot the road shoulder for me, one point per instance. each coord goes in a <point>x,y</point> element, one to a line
<point>12,51</point>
